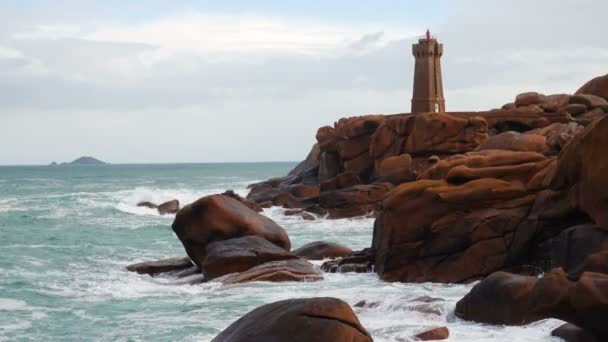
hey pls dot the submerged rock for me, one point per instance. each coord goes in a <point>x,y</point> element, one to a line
<point>218,217</point>
<point>169,207</point>
<point>320,250</point>
<point>298,320</point>
<point>161,266</point>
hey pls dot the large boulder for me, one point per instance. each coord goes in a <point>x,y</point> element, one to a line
<point>461,220</point>
<point>240,254</point>
<point>218,217</point>
<point>582,167</point>
<point>275,271</point>
<point>597,86</point>
<point>298,320</point>
<point>320,250</point>
<point>501,298</point>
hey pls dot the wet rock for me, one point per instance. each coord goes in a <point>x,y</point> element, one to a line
<point>240,254</point>
<point>571,248</point>
<point>298,320</point>
<point>597,86</point>
<point>170,207</point>
<point>320,250</point>
<point>161,266</point>
<point>358,262</point>
<point>571,333</point>
<point>441,333</point>
<point>218,217</point>
<point>275,271</point>
<point>501,298</point>
<point>147,205</point>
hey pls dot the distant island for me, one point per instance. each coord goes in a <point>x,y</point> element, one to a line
<point>86,160</point>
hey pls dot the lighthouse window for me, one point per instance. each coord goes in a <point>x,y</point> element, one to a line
<point>436,107</point>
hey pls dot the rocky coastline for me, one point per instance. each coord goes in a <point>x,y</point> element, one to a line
<point>515,198</point>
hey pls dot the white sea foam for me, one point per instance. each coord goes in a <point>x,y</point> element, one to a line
<point>9,304</point>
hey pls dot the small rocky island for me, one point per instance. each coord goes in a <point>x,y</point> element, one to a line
<point>85,160</point>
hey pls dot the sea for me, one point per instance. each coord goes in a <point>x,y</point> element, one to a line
<point>67,233</point>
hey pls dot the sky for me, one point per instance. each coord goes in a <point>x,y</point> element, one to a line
<point>161,81</point>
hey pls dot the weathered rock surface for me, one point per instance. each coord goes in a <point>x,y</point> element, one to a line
<point>459,221</point>
<point>582,167</point>
<point>320,250</point>
<point>218,217</point>
<point>240,254</point>
<point>275,271</point>
<point>597,86</point>
<point>514,141</point>
<point>298,320</point>
<point>501,298</point>
<point>161,266</point>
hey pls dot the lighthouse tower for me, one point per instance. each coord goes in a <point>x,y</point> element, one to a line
<point>428,85</point>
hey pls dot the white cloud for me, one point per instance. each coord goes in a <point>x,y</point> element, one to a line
<point>201,86</point>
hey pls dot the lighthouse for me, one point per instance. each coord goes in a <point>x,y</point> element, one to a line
<point>428,85</point>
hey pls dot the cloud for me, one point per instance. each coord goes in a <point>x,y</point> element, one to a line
<point>212,86</point>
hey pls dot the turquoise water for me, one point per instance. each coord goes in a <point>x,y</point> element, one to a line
<point>66,234</point>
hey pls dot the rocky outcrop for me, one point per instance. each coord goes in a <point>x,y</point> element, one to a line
<point>295,320</point>
<point>581,170</point>
<point>460,220</point>
<point>502,298</point>
<point>275,271</point>
<point>161,266</point>
<point>571,333</point>
<point>218,217</point>
<point>597,86</point>
<point>240,254</point>
<point>320,250</point>
<point>356,200</point>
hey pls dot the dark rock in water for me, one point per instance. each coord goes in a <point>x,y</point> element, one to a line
<point>440,333</point>
<point>504,298</point>
<point>240,254</point>
<point>320,250</point>
<point>356,200</point>
<point>358,262</point>
<point>573,246</point>
<point>427,299</point>
<point>298,320</point>
<point>218,217</point>
<point>275,271</point>
<point>161,266</point>
<point>299,212</point>
<point>170,207</point>
<point>147,204</point>
<point>501,298</point>
<point>53,164</point>
<point>571,333</point>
